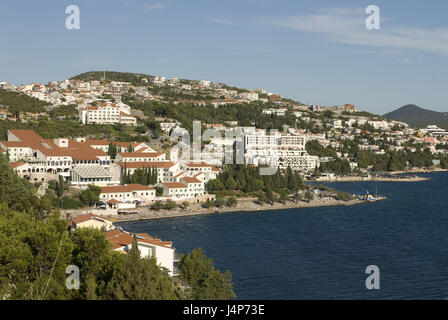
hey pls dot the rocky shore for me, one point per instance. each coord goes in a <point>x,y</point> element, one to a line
<point>374,178</point>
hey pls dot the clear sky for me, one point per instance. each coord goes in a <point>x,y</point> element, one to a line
<point>317,52</point>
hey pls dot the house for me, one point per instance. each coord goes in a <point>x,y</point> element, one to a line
<point>129,193</point>
<point>91,221</point>
<point>148,246</point>
<point>187,188</point>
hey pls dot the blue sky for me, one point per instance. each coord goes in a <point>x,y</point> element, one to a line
<point>317,52</point>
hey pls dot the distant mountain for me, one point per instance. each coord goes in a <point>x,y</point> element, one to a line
<point>418,117</point>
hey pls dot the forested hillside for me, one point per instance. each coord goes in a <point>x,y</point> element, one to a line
<point>16,102</point>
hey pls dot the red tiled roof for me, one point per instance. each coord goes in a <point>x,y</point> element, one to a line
<point>125,188</point>
<point>140,154</point>
<point>28,136</point>
<point>86,217</point>
<point>198,165</point>
<point>76,150</point>
<point>98,142</point>
<point>120,239</point>
<point>146,164</point>
<point>14,165</point>
<point>126,144</point>
<point>14,144</point>
<point>179,174</point>
<point>190,180</point>
<point>174,185</point>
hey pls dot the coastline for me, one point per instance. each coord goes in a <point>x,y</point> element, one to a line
<point>363,179</point>
<point>250,205</point>
<point>244,205</point>
<point>393,178</point>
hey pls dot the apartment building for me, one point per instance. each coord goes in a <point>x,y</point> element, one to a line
<point>106,113</point>
<point>279,150</point>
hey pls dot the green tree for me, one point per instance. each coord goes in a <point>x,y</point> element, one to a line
<point>60,187</point>
<point>297,197</point>
<point>140,279</point>
<point>309,196</point>
<point>91,195</point>
<point>219,202</point>
<point>90,253</point>
<point>208,204</point>
<point>170,205</point>
<point>34,253</point>
<point>284,196</point>
<point>207,282</point>
<point>185,205</point>
<point>112,150</point>
<point>215,185</point>
<point>231,183</point>
<point>261,198</point>
<point>157,205</point>
<point>19,194</point>
<point>269,196</point>
<point>232,202</point>
<point>159,191</point>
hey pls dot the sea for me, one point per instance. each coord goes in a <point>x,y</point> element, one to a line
<point>324,253</point>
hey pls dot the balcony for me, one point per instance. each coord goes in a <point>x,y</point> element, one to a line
<point>176,257</point>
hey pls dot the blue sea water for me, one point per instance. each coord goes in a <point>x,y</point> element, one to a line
<point>322,253</point>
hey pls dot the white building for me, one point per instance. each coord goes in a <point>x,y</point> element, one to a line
<point>140,157</point>
<point>278,150</point>
<point>205,83</point>
<point>148,246</point>
<point>166,170</point>
<point>106,113</point>
<point>129,193</point>
<point>187,188</point>
<point>252,96</point>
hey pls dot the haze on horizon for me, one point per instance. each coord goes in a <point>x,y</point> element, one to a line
<point>316,53</point>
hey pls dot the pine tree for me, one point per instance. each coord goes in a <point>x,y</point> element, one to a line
<point>112,150</point>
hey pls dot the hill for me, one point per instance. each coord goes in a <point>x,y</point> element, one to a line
<point>418,117</point>
<point>134,78</point>
<point>19,102</point>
